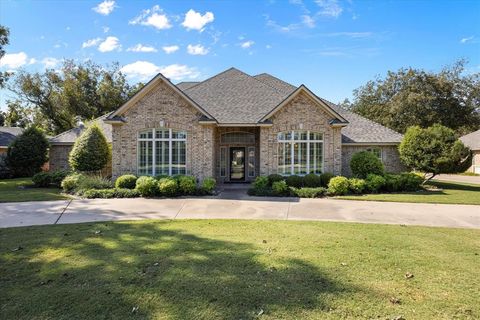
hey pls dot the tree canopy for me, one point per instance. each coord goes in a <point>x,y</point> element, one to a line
<point>434,150</point>
<point>410,97</point>
<point>75,92</point>
<point>4,34</point>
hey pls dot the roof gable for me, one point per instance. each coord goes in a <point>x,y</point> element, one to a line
<point>472,140</point>
<point>69,136</point>
<point>8,134</point>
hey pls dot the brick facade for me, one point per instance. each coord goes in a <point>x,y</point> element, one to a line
<point>390,158</point>
<point>162,105</point>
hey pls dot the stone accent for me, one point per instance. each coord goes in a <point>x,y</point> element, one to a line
<point>302,113</point>
<point>58,159</point>
<point>162,105</point>
<point>390,158</point>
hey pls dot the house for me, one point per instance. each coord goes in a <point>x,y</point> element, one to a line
<point>62,144</point>
<point>7,135</point>
<point>472,140</point>
<point>234,127</point>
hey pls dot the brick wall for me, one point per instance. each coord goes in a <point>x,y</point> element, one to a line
<point>390,158</point>
<point>58,159</point>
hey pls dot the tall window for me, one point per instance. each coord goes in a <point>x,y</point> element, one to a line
<point>162,151</point>
<point>300,152</point>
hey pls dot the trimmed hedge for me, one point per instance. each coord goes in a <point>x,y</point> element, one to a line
<point>294,181</point>
<point>325,178</point>
<point>312,180</point>
<point>274,178</point>
<point>309,192</point>
<point>187,185</point>
<point>90,152</point>
<point>168,187</point>
<point>280,188</point>
<point>356,185</point>
<point>146,186</point>
<point>111,193</point>
<point>374,183</point>
<point>127,181</point>
<point>338,186</point>
<point>208,185</point>
<point>364,163</point>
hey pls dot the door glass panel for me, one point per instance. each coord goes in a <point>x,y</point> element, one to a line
<point>251,162</point>
<point>237,164</point>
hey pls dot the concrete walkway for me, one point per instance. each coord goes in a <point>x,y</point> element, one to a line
<point>458,178</point>
<point>238,207</point>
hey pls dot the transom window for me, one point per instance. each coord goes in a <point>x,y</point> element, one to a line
<point>162,152</point>
<point>300,152</point>
<point>237,137</point>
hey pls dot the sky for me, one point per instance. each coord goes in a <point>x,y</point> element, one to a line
<point>331,46</point>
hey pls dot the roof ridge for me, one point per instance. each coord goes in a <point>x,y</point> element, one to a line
<point>263,83</point>
<point>69,130</point>
<point>212,77</point>
<point>277,78</point>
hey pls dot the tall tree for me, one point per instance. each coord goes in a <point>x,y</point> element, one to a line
<point>78,91</point>
<point>411,97</point>
<point>4,33</point>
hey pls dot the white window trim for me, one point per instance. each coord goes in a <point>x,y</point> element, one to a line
<point>370,149</point>
<point>291,141</point>
<point>154,140</point>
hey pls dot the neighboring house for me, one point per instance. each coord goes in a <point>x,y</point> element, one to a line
<point>472,140</point>
<point>62,144</point>
<point>7,135</point>
<point>234,127</point>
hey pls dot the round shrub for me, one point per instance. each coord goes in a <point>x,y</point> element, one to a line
<point>338,186</point>
<point>294,181</point>
<point>274,178</point>
<point>187,184</point>
<point>42,179</point>
<point>90,151</point>
<point>364,163</point>
<point>280,188</point>
<point>72,182</point>
<point>28,153</point>
<point>146,186</point>
<point>392,183</point>
<point>168,187</point>
<point>356,185</point>
<point>260,183</point>
<point>312,180</point>
<point>208,185</point>
<point>374,182</point>
<point>325,178</point>
<point>410,181</point>
<point>127,181</point>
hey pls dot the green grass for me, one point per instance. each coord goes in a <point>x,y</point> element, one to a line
<point>450,193</point>
<point>21,189</point>
<point>222,269</point>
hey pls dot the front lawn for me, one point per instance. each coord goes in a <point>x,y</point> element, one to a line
<point>222,269</point>
<point>21,189</point>
<point>450,193</point>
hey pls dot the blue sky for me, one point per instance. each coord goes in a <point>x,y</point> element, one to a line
<point>331,46</point>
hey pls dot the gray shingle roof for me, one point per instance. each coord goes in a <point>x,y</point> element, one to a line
<point>69,137</point>
<point>235,97</point>
<point>186,85</point>
<point>8,134</point>
<point>472,140</point>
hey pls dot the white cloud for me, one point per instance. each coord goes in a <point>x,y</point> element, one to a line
<point>197,21</point>
<point>50,62</point>
<point>32,61</point>
<point>14,60</point>
<point>356,35</point>
<point>329,8</point>
<point>144,70</point>
<point>467,39</point>
<point>152,17</point>
<point>91,42</point>
<point>141,48</point>
<point>110,44</point>
<point>308,21</point>
<point>197,49</point>
<point>106,7</point>
<point>170,49</point>
<point>247,44</point>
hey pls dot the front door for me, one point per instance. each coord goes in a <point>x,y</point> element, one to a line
<point>237,164</point>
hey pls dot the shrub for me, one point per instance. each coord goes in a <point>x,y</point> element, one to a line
<point>71,182</point>
<point>168,187</point>
<point>91,151</point>
<point>280,188</point>
<point>392,183</point>
<point>28,153</point>
<point>364,163</point>
<point>42,179</point>
<point>338,186</point>
<point>294,181</point>
<point>312,180</point>
<point>146,186</point>
<point>208,185</point>
<point>374,182</point>
<point>187,185</point>
<point>5,170</point>
<point>325,178</point>
<point>57,177</point>
<point>94,182</point>
<point>127,181</point>
<point>410,181</point>
<point>161,176</point>
<point>274,178</point>
<point>260,183</point>
<point>110,193</point>
<point>356,185</point>
<point>309,192</point>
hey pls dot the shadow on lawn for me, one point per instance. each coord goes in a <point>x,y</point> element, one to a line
<point>455,186</point>
<point>165,273</point>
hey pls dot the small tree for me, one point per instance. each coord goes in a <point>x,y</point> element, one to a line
<point>90,151</point>
<point>28,153</point>
<point>434,150</point>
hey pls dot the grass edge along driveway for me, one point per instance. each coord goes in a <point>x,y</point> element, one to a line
<point>224,269</point>
<point>22,189</point>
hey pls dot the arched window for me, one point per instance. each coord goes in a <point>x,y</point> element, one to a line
<point>238,137</point>
<point>300,152</point>
<point>162,151</point>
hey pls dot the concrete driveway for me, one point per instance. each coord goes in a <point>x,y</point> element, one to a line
<point>244,207</point>
<point>458,178</point>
